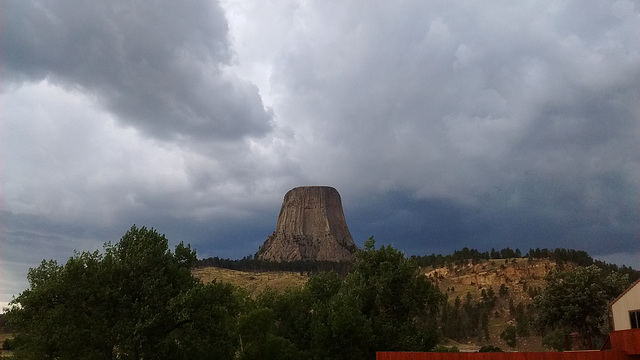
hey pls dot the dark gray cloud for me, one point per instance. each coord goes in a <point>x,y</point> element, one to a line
<point>442,125</point>
<point>159,66</point>
<point>523,117</point>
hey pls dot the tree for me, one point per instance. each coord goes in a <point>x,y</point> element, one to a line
<point>577,299</point>
<point>507,253</point>
<point>554,339</point>
<point>489,348</point>
<point>204,321</point>
<point>135,300</point>
<point>522,320</point>
<point>401,303</point>
<point>384,303</point>
<point>259,342</point>
<point>509,336</point>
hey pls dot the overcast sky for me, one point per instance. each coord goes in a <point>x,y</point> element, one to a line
<point>443,124</point>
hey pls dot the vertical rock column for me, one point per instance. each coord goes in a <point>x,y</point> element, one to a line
<point>311,226</point>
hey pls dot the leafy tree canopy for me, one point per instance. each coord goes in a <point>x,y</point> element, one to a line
<point>384,303</point>
<point>135,300</point>
<point>577,299</point>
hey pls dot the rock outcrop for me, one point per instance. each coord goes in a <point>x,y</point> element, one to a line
<point>311,226</point>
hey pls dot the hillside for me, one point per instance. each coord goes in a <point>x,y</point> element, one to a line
<point>508,284</point>
<point>253,282</point>
<point>521,278</point>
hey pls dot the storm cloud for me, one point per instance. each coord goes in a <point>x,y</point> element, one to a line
<point>159,66</point>
<point>441,124</point>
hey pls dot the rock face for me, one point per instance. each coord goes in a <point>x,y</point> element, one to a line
<point>311,226</point>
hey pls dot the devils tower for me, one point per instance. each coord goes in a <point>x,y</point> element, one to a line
<point>311,226</point>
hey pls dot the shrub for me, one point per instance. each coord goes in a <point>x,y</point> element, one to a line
<point>509,335</point>
<point>7,344</point>
<point>554,339</point>
<point>443,348</point>
<point>490,348</point>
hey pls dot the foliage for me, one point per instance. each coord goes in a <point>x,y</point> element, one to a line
<point>554,339</point>
<point>250,264</point>
<point>8,344</point>
<point>509,335</point>
<point>446,349</point>
<point>256,329</point>
<point>577,299</point>
<point>401,303</point>
<point>490,348</point>
<point>560,255</point>
<point>521,316</point>
<point>470,319</point>
<point>136,300</point>
<point>383,304</point>
<point>578,257</point>
<point>581,258</point>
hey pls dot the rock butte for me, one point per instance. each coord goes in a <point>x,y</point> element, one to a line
<point>311,226</point>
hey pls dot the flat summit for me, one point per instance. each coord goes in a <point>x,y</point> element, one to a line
<point>311,226</point>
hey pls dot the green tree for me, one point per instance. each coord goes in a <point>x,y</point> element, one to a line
<point>489,348</point>
<point>294,311</point>
<point>342,331</point>
<point>401,303</point>
<point>204,323</point>
<point>135,300</point>
<point>385,303</point>
<point>259,342</point>
<point>484,323</point>
<point>509,335</point>
<point>522,321</point>
<point>554,339</point>
<point>504,290</point>
<point>453,322</point>
<point>577,299</point>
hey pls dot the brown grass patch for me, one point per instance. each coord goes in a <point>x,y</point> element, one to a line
<point>254,282</point>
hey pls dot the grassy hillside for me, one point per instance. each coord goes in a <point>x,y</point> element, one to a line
<point>253,282</point>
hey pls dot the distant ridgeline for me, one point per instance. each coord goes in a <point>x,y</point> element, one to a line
<point>559,255</point>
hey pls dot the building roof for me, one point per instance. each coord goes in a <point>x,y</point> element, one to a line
<point>624,292</point>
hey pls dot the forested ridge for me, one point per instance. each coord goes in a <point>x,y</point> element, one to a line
<point>137,299</point>
<point>558,255</point>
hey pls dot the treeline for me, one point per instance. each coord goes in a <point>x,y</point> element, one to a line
<point>138,300</point>
<point>559,255</point>
<point>469,319</point>
<point>461,320</point>
<point>250,264</point>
